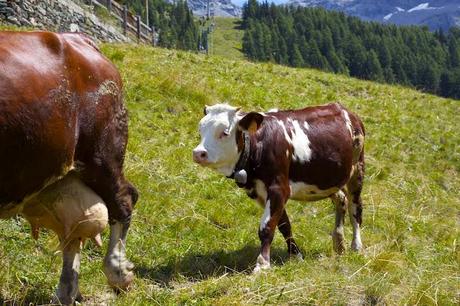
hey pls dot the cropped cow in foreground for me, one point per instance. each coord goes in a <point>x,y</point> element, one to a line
<point>63,135</point>
<point>307,154</point>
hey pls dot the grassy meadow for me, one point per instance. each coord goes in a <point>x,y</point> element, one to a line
<point>227,38</point>
<point>194,238</point>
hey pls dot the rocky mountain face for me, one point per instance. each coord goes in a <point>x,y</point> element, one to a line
<point>224,8</point>
<point>433,13</point>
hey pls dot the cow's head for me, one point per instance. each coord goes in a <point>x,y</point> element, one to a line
<point>218,148</point>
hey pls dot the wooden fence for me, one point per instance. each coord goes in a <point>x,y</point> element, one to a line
<point>129,22</point>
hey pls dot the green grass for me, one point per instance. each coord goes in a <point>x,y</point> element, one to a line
<point>194,233</point>
<point>227,38</point>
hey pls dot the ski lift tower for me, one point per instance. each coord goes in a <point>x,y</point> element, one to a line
<point>210,6</point>
<point>211,25</point>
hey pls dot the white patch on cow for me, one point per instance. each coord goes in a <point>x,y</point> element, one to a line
<point>340,195</point>
<point>356,243</point>
<point>286,135</point>
<point>287,153</point>
<point>300,143</point>
<point>266,216</point>
<point>306,125</point>
<point>222,151</point>
<point>304,192</point>
<point>348,122</point>
<point>273,110</point>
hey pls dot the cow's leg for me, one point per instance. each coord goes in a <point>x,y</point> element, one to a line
<point>354,211</point>
<point>120,196</point>
<point>340,201</point>
<point>103,172</point>
<point>274,207</point>
<point>68,291</point>
<point>355,208</point>
<point>284,227</point>
<point>117,267</point>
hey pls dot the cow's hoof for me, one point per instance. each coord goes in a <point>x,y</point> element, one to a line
<point>67,294</point>
<point>296,256</point>
<point>338,242</point>
<point>119,276</point>
<point>121,282</point>
<point>61,298</point>
<point>261,265</point>
<point>356,245</point>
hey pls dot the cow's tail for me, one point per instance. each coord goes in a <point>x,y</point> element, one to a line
<point>358,138</point>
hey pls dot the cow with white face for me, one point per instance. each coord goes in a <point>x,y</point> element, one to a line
<point>218,148</point>
<point>307,154</point>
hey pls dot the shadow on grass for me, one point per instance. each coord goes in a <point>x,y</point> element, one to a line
<point>197,267</point>
<point>238,25</point>
<point>238,49</point>
<point>36,294</point>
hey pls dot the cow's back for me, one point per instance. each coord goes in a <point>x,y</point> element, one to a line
<point>49,102</point>
<point>320,144</point>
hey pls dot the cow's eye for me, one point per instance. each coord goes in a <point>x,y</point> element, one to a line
<point>224,134</point>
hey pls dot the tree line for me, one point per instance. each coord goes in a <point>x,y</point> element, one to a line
<point>173,21</point>
<point>331,41</point>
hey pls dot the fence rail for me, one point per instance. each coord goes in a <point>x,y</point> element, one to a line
<point>129,22</point>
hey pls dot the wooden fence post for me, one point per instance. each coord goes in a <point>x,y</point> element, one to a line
<point>138,24</point>
<point>125,19</point>
<point>109,5</point>
<point>153,36</point>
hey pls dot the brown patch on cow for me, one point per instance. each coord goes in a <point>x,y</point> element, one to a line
<point>56,112</point>
<point>61,105</point>
<point>336,164</point>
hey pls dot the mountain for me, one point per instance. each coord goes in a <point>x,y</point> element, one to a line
<point>434,14</point>
<point>223,8</point>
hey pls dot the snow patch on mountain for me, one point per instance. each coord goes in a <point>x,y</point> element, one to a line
<point>423,6</point>
<point>386,17</point>
<point>435,14</point>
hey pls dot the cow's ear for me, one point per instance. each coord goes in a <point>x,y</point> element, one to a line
<point>205,110</point>
<point>251,122</point>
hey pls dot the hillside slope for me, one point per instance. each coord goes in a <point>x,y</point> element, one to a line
<point>227,38</point>
<point>194,234</point>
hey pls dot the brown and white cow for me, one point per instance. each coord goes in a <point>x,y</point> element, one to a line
<point>307,154</point>
<point>63,136</point>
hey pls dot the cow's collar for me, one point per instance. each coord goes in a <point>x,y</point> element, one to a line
<point>239,174</point>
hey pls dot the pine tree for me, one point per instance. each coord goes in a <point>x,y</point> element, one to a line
<point>331,41</point>
<point>454,52</point>
<point>295,58</point>
<point>248,44</point>
<point>428,77</point>
<point>373,69</point>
